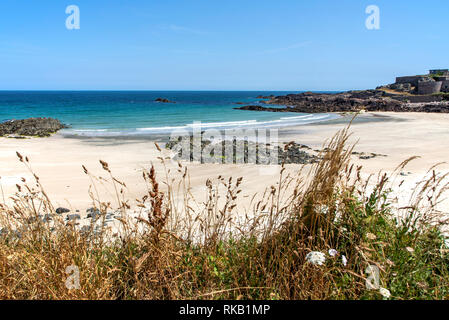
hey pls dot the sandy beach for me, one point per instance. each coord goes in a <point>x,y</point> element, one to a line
<point>58,160</point>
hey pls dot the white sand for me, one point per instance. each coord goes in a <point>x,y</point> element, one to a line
<point>57,160</point>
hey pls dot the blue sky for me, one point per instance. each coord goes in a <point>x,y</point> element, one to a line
<point>218,45</point>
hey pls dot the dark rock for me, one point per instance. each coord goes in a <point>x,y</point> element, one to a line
<point>352,101</point>
<point>261,108</point>
<point>40,127</point>
<point>62,210</point>
<point>265,97</point>
<point>163,100</point>
<point>291,153</point>
<point>367,156</point>
<point>402,87</point>
<point>93,213</point>
<point>72,217</point>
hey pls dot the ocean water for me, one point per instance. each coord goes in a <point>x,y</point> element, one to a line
<point>135,113</point>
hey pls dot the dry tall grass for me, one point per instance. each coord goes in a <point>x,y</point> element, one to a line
<point>188,250</point>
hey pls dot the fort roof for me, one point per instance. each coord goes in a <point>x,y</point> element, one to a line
<point>435,71</point>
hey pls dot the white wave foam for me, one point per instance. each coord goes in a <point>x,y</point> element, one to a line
<point>254,124</point>
<point>90,130</point>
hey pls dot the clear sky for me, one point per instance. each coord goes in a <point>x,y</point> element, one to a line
<point>218,45</point>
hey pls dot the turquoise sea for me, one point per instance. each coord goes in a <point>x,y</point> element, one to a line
<point>135,113</point>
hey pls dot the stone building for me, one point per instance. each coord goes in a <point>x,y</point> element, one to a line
<point>413,80</point>
<point>445,86</point>
<point>429,87</point>
<point>436,81</point>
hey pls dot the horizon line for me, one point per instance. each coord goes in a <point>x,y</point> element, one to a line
<point>173,90</point>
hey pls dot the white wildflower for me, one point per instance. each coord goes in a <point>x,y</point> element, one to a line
<point>323,209</point>
<point>333,252</point>
<point>316,258</point>
<point>371,236</point>
<point>385,293</point>
<point>344,260</point>
<point>446,243</point>
<point>337,216</point>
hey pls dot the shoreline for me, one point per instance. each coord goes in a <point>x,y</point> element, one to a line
<point>161,133</point>
<point>344,118</point>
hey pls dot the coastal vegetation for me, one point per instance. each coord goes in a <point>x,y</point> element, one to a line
<point>444,95</point>
<point>327,234</point>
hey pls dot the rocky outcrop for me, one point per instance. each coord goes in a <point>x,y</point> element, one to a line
<point>163,100</point>
<point>228,152</point>
<point>351,101</point>
<point>62,210</point>
<point>262,108</point>
<point>40,127</point>
<point>287,153</point>
<point>429,87</point>
<point>401,87</point>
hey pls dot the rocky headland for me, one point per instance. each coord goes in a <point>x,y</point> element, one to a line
<point>353,101</point>
<point>36,127</point>
<point>419,93</point>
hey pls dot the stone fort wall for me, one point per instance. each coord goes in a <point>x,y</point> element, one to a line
<point>410,79</point>
<point>445,86</point>
<point>430,87</point>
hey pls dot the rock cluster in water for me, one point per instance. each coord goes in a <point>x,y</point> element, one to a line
<point>164,100</point>
<point>40,127</point>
